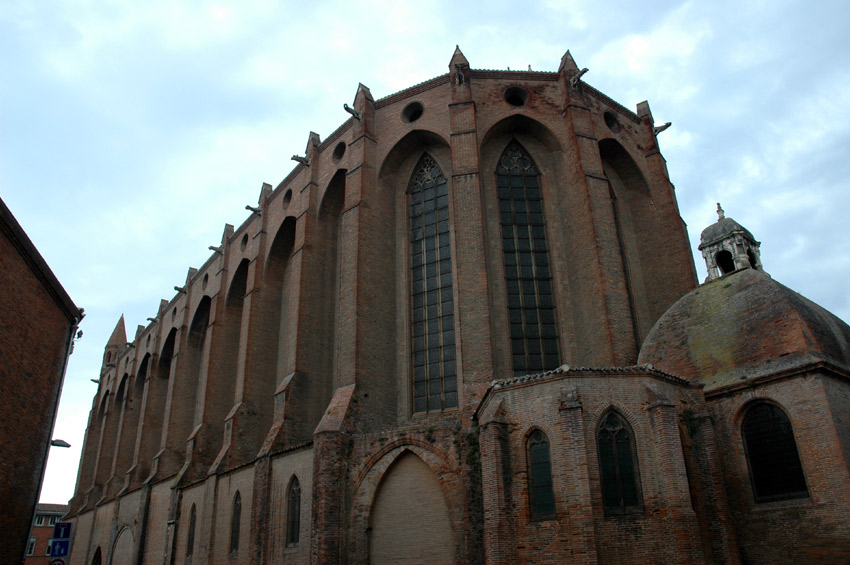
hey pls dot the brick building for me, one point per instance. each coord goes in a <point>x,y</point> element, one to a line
<point>467,328</point>
<point>38,322</point>
<point>41,535</point>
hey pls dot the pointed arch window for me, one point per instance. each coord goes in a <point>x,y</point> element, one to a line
<point>434,369</point>
<point>190,540</point>
<point>775,469</point>
<point>541,496</point>
<point>235,523</point>
<point>618,467</point>
<point>293,512</point>
<point>531,308</point>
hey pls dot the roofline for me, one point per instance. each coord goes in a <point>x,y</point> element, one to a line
<point>21,241</point>
<point>827,366</point>
<point>565,371</point>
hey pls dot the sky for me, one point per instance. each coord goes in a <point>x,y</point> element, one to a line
<point>131,132</point>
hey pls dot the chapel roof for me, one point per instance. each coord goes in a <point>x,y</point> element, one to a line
<point>742,325</point>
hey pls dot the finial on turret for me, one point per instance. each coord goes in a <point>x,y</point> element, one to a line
<point>720,213</point>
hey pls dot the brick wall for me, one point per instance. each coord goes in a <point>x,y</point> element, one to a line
<point>36,322</point>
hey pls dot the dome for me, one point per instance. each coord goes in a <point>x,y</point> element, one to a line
<point>721,229</point>
<point>742,325</point>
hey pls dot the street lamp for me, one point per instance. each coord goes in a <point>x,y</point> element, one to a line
<point>59,443</point>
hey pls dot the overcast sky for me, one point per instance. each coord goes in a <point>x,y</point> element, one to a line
<point>131,132</point>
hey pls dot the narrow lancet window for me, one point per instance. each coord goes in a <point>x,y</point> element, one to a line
<point>775,469</point>
<point>293,513</point>
<point>190,540</point>
<point>540,493</point>
<point>618,466</point>
<point>235,523</point>
<point>434,370</point>
<point>531,308</point>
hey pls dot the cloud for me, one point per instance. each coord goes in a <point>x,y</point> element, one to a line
<point>131,133</point>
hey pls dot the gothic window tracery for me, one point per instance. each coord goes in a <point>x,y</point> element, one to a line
<point>776,472</point>
<point>618,467</point>
<point>434,368</point>
<point>541,497</point>
<point>531,307</point>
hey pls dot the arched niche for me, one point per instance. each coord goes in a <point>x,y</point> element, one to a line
<point>268,352</point>
<point>186,385</point>
<point>224,373</point>
<point>328,240</point>
<point>121,392</point>
<point>560,205</point>
<point>153,414</point>
<point>640,233</point>
<point>411,146</point>
<point>394,209</point>
<point>123,548</point>
<point>409,491</point>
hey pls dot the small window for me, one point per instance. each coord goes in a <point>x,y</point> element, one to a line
<point>235,520</point>
<point>293,513</point>
<point>31,547</point>
<point>412,112</point>
<point>618,467</point>
<point>775,469</point>
<point>39,519</point>
<point>49,546</point>
<point>752,258</point>
<point>724,262</point>
<point>52,520</point>
<point>96,560</point>
<point>541,497</point>
<point>516,96</point>
<point>190,541</point>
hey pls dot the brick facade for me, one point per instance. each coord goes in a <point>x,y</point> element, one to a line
<point>38,322</point>
<point>296,352</point>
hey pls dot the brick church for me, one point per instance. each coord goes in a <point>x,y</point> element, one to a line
<point>467,328</point>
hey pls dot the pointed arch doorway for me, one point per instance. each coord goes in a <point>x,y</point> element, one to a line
<point>410,519</point>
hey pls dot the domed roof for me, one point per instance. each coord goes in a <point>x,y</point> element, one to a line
<point>741,325</point>
<point>720,229</point>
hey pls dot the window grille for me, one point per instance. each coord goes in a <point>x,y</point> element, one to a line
<point>776,472</point>
<point>540,493</point>
<point>531,308</point>
<point>618,466</point>
<point>434,368</point>
<point>293,513</point>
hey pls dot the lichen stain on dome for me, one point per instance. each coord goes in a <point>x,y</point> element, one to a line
<point>741,325</point>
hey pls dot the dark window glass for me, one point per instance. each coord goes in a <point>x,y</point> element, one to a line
<point>293,513</point>
<point>190,541</point>
<point>618,470</point>
<point>235,519</point>
<point>524,246</point>
<point>775,469</point>
<point>429,229</point>
<point>541,497</point>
